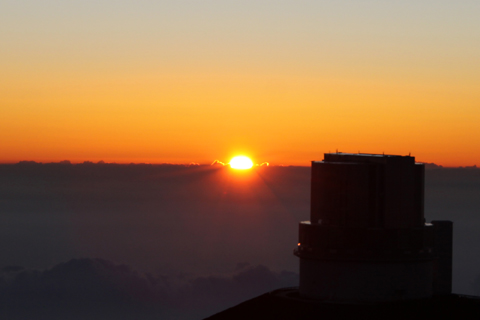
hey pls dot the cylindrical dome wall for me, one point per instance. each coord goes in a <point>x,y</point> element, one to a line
<point>367,240</point>
<point>363,281</point>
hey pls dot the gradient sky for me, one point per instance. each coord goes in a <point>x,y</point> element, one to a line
<point>280,81</point>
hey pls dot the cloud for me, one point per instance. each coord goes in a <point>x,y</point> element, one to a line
<point>247,283</point>
<point>92,287</point>
<point>431,165</point>
<point>166,217</point>
<point>218,162</point>
<point>84,287</point>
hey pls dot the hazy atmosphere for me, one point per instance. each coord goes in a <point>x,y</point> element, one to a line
<point>176,241</point>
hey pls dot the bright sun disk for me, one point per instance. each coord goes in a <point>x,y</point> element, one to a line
<point>241,162</point>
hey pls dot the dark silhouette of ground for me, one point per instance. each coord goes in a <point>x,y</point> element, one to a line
<point>285,304</point>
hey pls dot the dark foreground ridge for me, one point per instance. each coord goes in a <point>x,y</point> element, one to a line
<point>285,304</point>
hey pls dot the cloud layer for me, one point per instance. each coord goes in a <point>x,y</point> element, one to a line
<point>86,288</point>
<point>181,230</point>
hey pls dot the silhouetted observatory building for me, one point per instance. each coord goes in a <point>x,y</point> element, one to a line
<point>367,240</point>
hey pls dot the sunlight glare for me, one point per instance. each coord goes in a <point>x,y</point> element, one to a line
<point>241,162</point>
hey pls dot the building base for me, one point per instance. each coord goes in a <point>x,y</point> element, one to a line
<point>365,281</point>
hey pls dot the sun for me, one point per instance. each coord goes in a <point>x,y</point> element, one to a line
<point>241,163</point>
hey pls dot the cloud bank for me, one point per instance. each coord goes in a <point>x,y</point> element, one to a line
<point>93,288</point>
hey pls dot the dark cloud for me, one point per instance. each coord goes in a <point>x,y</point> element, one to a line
<point>79,288</point>
<point>208,292</point>
<point>432,166</point>
<point>95,287</point>
<point>198,218</point>
<point>179,221</point>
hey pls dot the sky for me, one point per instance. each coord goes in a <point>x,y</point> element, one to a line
<point>280,81</point>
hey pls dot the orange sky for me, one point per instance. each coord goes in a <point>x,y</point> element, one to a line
<point>180,84</point>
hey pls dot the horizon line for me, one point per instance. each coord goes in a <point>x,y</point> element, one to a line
<point>429,165</point>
